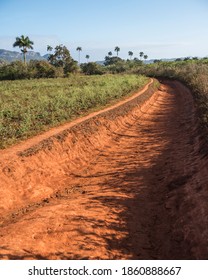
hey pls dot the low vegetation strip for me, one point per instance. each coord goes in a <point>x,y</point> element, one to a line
<point>193,73</point>
<point>28,107</point>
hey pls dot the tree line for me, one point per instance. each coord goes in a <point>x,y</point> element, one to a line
<point>61,64</point>
<point>24,43</point>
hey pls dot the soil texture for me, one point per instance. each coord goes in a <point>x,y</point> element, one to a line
<point>129,182</point>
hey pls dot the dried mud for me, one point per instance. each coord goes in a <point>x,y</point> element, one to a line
<point>128,182</point>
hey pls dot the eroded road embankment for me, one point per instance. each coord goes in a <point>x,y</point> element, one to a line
<point>141,194</point>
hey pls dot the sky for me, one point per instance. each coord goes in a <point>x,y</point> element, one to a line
<point>159,28</point>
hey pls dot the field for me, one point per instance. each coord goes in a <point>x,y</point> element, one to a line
<point>28,107</point>
<point>126,182</point>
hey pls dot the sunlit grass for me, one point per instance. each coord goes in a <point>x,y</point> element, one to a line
<point>28,107</point>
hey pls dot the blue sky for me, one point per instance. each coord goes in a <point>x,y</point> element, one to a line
<point>159,28</point>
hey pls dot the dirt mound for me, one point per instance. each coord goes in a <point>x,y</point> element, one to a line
<point>125,183</point>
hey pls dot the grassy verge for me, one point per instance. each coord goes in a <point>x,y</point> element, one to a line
<point>28,107</point>
<point>195,75</point>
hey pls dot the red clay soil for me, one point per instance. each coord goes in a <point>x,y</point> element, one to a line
<point>127,183</point>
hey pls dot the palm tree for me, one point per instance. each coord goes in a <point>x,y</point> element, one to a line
<point>141,54</point>
<point>87,57</point>
<point>79,49</point>
<point>110,54</point>
<point>49,48</point>
<point>130,54</point>
<point>24,43</point>
<point>117,50</point>
<point>145,57</point>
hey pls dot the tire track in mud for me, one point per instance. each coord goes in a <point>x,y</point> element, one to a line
<point>133,200</point>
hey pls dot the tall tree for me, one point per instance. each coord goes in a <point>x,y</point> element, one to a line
<point>79,49</point>
<point>87,57</point>
<point>145,57</point>
<point>62,58</point>
<point>24,43</point>
<point>141,54</point>
<point>49,48</point>
<point>117,50</point>
<point>130,54</point>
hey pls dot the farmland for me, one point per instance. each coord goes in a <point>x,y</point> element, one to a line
<point>28,107</point>
<point>127,182</point>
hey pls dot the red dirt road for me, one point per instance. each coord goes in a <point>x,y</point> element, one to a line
<point>140,194</point>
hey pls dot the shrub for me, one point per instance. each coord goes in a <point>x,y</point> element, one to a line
<point>91,68</point>
<point>14,70</point>
<point>41,69</point>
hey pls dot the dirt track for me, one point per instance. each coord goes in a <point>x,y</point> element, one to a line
<point>140,194</point>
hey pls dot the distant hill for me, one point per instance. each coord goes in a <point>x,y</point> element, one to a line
<point>10,56</point>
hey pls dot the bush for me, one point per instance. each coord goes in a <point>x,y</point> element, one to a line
<point>41,69</point>
<point>13,71</point>
<point>91,68</point>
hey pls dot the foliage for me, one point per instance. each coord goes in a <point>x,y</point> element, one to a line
<point>91,68</point>
<point>30,106</point>
<point>34,69</point>
<point>13,71</point>
<point>79,49</point>
<point>117,50</point>
<point>130,53</point>
<point>41,69</point>
<point>192,72</point>
<point>23,43</point>
<point>112,60</point>
<point>62,58</point>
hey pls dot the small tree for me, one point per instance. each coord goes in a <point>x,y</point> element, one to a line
<point>130,54</point>
<point>92,68</point>
<point>79,49</point>
<point>112,60</point>
<point>62,58</point>
<point>49,48</point>
<point>141,54</point>
<point>117,50</point>
<point>87,57</point>
<point>24,43</point>
<point>110,54</point>
<point>145,57</point>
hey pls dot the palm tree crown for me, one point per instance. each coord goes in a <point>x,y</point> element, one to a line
<point>130,54</point>
<point>145,56</point>
<point>79,49</point>
<point>49,48</point>
<point>24,43</point>
<point>141,54</point>
<point>87,57</point>
<point>117,50</point>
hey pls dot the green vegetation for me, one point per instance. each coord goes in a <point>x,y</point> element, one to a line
<point>62,59</point>
<point>79,49</point>
<point>61,64</point>
<point>117,50</point>
<point>193,73</point>
<point>23,43</point>
<point>31,106</point>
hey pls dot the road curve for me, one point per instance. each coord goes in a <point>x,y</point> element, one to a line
<point>140,196</point>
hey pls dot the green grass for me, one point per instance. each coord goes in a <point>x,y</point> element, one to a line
<point>28,107</point>
<point>194,74</point>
